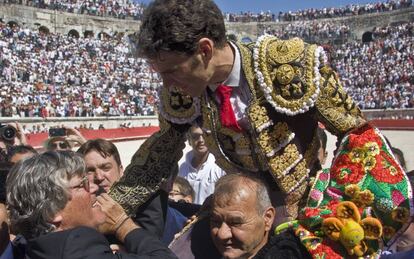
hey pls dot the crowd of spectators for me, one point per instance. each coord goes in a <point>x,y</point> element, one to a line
<point>250,17</point>
<point>123,9</point>
<point>314,13</point>
<point>120,9</point>
<point>348,10</point>
<point>379,74</point>
<point>55,75</point>
<point>312,31</point>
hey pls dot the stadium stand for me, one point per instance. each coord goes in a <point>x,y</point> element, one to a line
<point>379,74</point>
<point>314,13</point>
<point>60,76</point>
<point>118,9</point>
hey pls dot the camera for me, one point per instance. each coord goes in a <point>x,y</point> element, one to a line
<point>57,132</point>
<point>7,132</point>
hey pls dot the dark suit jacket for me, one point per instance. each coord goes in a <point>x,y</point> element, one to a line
<point>285,245</point>
<point>401,255</point>
<point>152,215</point>
<point>87,243</point>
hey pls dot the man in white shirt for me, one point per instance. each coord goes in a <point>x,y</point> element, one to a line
<point>200,167</point>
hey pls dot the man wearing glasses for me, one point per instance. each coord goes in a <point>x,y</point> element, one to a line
<point>200,168</point>
<point>63,214</point>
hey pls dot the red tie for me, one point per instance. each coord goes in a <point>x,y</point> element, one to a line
<point>227,117</point>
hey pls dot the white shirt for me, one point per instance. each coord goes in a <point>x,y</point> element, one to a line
<point>203,179</point>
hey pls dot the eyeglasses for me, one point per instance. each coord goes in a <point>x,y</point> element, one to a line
<point>83,184</point>
<point>62,145</point>
<point>196,136</point>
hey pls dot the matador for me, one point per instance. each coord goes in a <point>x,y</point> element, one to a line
<point>289,89</point>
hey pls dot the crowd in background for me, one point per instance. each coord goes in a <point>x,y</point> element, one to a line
<point>129,9</point>
<point>379,74</point>
<point>315,13</point>
<point>312,31</point>
<point>120,9</point>
<point>63,76</point>
<point>348,10</point>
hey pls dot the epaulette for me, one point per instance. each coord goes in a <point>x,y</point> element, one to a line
<point>287,72</point>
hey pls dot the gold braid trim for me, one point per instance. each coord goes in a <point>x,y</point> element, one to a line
<point>335,109</point>
<point>271,140</point>
<point>151,165</point>
<point>297,178</point>
<point>280,165</point>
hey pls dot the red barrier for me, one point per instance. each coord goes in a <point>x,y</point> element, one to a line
<point>115,135</point>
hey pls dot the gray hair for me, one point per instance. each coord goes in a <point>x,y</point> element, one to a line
<point>37,188</point>
<point>230,185</point>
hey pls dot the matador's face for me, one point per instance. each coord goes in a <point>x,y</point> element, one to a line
<point>185,72</point>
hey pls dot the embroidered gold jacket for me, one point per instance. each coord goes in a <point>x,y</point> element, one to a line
<point>291,90</point>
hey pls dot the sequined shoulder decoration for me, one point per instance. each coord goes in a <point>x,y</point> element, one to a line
<point>177,107</point>
<point>287,72</point>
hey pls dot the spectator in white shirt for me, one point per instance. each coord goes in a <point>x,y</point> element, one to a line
<point>200,167</point>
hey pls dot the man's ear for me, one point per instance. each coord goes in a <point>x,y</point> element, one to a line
<point>121,171</point>
<point>269,217</point>
<point>205,48</point>
<point>57,219</point>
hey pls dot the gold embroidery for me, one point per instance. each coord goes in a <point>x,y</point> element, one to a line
<point>292,181</point>
<point>246,55</point>
<point>284,52</point>
<point>336,109</point>
<point>151,165</point>
<point>268,139</point>
<point>272,140</point>
<point>288,69</point>
<point>285,74</point>
<point>297,193</point>
<point>258,116</point>
<point>248,163</point>
<point>281,164</point>
<point>177,107</point>
<point>242,144</point>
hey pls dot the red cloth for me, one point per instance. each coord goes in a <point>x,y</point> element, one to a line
<point>227,117</point>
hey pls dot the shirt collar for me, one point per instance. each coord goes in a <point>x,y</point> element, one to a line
<point>233,79</point>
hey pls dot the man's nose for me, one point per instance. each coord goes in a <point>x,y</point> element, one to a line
<point>224,232</point>
<point>93,188</point>
<point>201,138</point>
<point>99,175</point>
